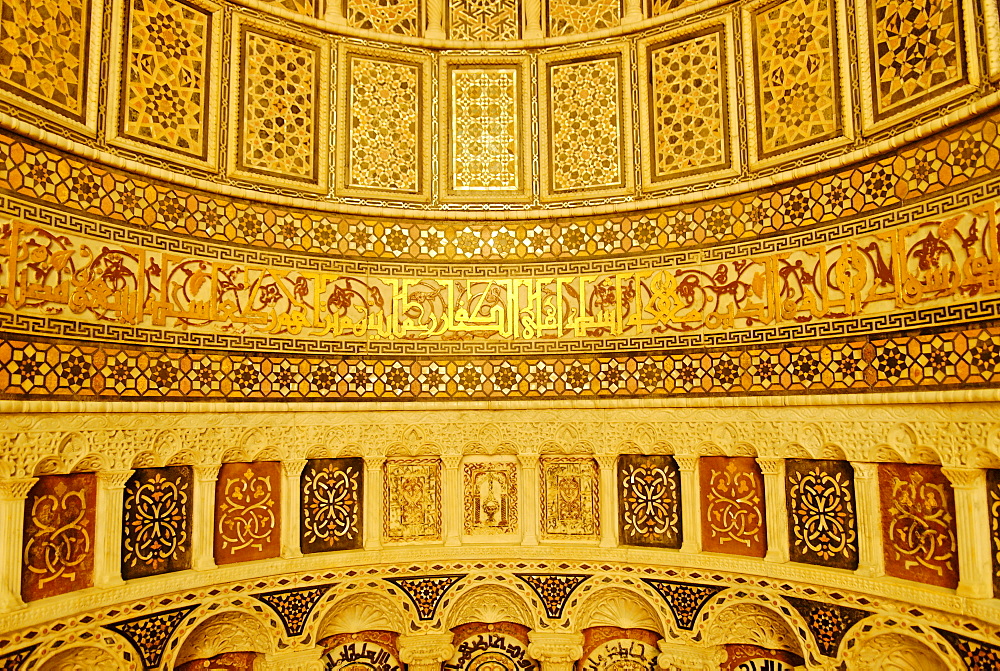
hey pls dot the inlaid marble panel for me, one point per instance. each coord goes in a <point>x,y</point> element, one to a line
<point>384,133</point>
<point>166,85</point>
<point>485,129</point>
<point>918,524</point>
<point>993,501</point>
<point>58,541</point>
<point>248,512</point>
<point>822,525</point>
<point>916,51</point>
<point>570,498</point>
<point>687,100</point>
<point>393,17</point>
<point>649,501</point>
<point>732,506</point>
<point>570,17</point>
<point>798,100</point>
<point>156,521</point>
<point>332,491</point>
<point>585,124</point>
<point>278,121</point>
<point>412,500</point>
<point>484,19</point>
<point>44,54</point>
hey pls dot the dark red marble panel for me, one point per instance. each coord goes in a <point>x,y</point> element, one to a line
<point>58,542</point>
<point>993,501</point>
<point>248,512</point>
<point>918,524</point>
<point>732,506</point>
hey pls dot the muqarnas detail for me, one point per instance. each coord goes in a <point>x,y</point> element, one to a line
<point>332,491</point>
<point>649,492</point>
<point>156,516</point>
<point>821,513</point>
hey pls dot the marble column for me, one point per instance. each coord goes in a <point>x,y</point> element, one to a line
<point>690,503</point>
<point>871,560</point>
<point>609,500</point>
<point>555,651</point>
<point>108,528</point>
<point>291,507</point>
<point>451,494</point>
<point>203,518</point>
<point>425,652</point>
<point>689,657</point>
<point>776,521</point>
<point>529,498</point>
<point>633,12</point>
<point>972,522</point>
<point>532,19</point>
<point>435,19</point>
<point>373,502</point>
<point>13,492</point>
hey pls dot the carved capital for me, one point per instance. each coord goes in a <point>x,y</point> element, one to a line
<point>374,462</point>
<point>113,479</point>
<point>206,473</point>
<point>426,649</point>
<point>606,461</point>
<point>688,657</point>
<point>451,460</point>
<point>293,467</point>
<point>16,489</point>
<point>555,648</point>
<point>864,470</point>
<point>686,462</point>
<point>966,478</point>
<point>528,460</point>
<point>769,466</point>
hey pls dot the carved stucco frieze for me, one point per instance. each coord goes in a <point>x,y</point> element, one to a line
<point>957,435</point>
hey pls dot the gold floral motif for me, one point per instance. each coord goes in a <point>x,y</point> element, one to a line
<point>246,512</point>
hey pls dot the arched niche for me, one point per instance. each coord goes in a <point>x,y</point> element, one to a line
<point>621,629</point>
<point>84,659</point>
<point>620,608</point>
<point>360,632</point>
<point>364,611</point>
<point>894,652</point>
<point>489,604</point>
<point>231,635</point>
<point>751,624</point>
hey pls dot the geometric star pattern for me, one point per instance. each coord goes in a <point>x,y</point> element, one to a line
<point>151,633</point>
